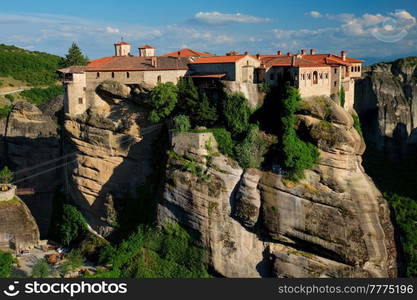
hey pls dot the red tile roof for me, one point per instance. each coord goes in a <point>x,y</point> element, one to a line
<point>187,53</point>
<point>218,59</point>
<point>137,63</point>
<point>286,61</point>
<point>122,43</point>
<point>146,47</point>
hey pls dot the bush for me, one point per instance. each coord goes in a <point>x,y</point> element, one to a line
<point>6,176</point>
<point>41,269</point>
<point>236,113</point>
<point>297,155</point>
<point>163,98</point>
<point>357,124</point>
<point>249,153</point>
<point>74,260</point>
<point>10,97</point>
<point>342,96</point>
<point>167,252</point>
<point>72,224</point>
<point>406,216</point>
<point>38,96</point>
<point>6,264</point>
<point>5,111</point>
<point>182,123</point>
<point>223,138</point>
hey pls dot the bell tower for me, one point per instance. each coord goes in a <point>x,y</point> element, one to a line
<point>122,48</point>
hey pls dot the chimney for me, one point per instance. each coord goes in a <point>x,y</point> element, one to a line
<point>179,53</point>
<point>343,55</point>
<point>246,52</point>
<point>154,62</point>
<point>303,51</point>
<point>289,53</point>
<point>257,56</point>
<point>279,52</point>
<point>293,60</point>
<point>312,51</point>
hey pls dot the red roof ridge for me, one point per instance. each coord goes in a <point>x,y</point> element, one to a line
<point>146,47</point>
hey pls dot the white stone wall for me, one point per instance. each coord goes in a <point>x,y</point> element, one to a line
<point>75,101</point>
<point>245,69</point>
<point>307,85</point>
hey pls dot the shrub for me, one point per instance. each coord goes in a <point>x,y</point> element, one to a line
<point>223,138</point>
<point>182,123</point>
<point>38,96</point>
<point>10,97</point>
<point>6,264</point>
<point>163,98</point>
<point>342,96</point>
<point>74,260</point>
<point>204,113</point>
<point>357,124</point>
<point>249,153</point>
<point>406,216</point>
<point>297,155</point>
<point>5,111</point>
<point>72,224</point>
<point>188,96</point>
<point>167,252</point>
<point>236,113</point>
<point>41,269</point>
<point>6,176</point>
<point>1,83</point>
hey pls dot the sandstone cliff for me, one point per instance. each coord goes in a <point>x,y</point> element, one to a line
<point>30,144</point>
<point>110,153</point>
<point>17,225</point>
<point>386,100</point>
<point>333,223</point>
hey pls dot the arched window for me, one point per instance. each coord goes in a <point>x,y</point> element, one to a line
<point>127,75</point>
<point>308,76</point>
<point>159,78</point>
<point>315,77</point>
<point>327,75</point>
<point>98,75</point>
<point>359,68</point>
<point>112,74</point>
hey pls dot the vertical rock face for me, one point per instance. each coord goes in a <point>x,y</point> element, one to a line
<point>30,145</point>
<point>387,103</point>
<point>109,156</point>
<point>333,223</point>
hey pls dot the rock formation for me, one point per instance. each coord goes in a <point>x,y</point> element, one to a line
<point>386,100</point>
<point>17,225</point>
<point>333,223</point>
<point>30,145</point>
<point>110,154</point>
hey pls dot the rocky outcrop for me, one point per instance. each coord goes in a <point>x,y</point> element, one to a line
<point>386,100</point>
<point>104,151</point>
<point>30,145</point>
<point>251,91</point>
<point>17,226</point>
<point>333,223</point>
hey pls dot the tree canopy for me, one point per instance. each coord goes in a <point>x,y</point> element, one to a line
<point>163,98</point>
<point>75,57</point>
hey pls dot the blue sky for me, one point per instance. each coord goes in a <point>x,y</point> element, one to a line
<point>363,28</point>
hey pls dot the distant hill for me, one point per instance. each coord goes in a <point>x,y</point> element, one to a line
<point>32,67</point>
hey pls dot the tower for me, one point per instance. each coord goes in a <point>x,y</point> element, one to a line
<point>146,50</point>
<point>122,48</point>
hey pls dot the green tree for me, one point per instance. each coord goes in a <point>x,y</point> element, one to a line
<point>182,123</point>
<point>74,260</point>
<point>6,176</point>
<point>236,113</point>
<point>297,155</point>
<point>188,96</point>
<point>6,264</point>
<point>75,57</point>
<point>249,152</point>
<point>342,96</point>
<point>72,224</point>
<point>204,114</point>
<point>163,98</point>
<point>41,269</point>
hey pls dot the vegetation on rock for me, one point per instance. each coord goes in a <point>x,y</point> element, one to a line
<point>163,99</point>
<point>6,176</point>
<point>38,96</point>
<point>6,264</point>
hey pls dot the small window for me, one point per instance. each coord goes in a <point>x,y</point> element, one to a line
<point>84,89</point>
<point>321,75</point>
<point>335,70</point>
<point>359,68</point>
<point>309,76</point>
<point>335,83</point>
<point>159,79</point>
<point>327,75</point>
<point>127,75</point>
<point>112,74</point>
<point>98,75</point>
<point>80,100</point>
<point>315,77</point>
<point>352,69</point>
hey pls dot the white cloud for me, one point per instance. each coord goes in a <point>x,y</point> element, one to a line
<point>217,18</point>
<point>112,30</point>
<point>315,14</point>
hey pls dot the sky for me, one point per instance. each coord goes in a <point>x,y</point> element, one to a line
<point>374,29</point>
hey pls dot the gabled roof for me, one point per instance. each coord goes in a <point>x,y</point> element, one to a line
<point>219,59</point>
<point>187,53</point>
<point>146,47</point>
<point>137,63</point>
<point>122,43</point>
